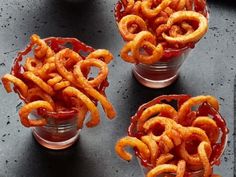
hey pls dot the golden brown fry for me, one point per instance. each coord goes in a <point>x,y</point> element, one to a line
<point>107,106</point>
<point>156,109</point>
<point>39,82</point>
<point>209,126</point>
<point>152,145</point>
<point>126,22</point>
<point>150,12</point>
<point>8,78</point>
<point>192,37</point>
<point>37,94</point>
<point>164,158</point>
<point>184,109</point>
<point>204,151</point>
<point>28,108</point>
<point>42,50</point>
<point>134,142</point>
<point>102,54</point>
<point>95,118</point>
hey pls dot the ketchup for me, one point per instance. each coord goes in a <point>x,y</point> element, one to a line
<point>56,44</point>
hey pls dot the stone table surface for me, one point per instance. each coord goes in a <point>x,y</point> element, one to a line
<point>210,69</point>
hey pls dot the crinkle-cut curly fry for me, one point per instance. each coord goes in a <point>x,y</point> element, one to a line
<point>164,158</point>
<point>28,108</point>
<point>192,37</point>
<point>126,22</point>
<point>60,60</point>
<point>181,5</point>
<point>36,93</point>
<point>204,149</point>
<point>102,54</point>
<point>168,168</point>
<point>156,109</point>
<point>209,126</point>
<point>95,118</point>
<point>42,50</point>
<point>187,27</point>
<point>187,105</point>
<point>192,159</point>
<point>146,39</point>
<point>150,12</point>
<point>32,64</point>
<point>107,106</point>
<point>152,146</point>
<point>8,78</point>
<point>39,82</point>
<point>133,142</point>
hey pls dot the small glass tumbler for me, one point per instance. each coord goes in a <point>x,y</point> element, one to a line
<point>59,133</point>
<point>164,72</point>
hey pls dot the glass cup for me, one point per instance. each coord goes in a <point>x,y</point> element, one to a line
<point>162,73</point>
<point>60,132</point>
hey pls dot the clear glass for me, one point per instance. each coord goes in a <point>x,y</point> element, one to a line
<point>59,133</point>
<point>162,73</point>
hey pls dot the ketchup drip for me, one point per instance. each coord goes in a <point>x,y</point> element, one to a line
<point>56,44</point>
<point>204,110</point>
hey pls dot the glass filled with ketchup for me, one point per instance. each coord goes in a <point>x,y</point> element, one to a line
<point>204,109</point>
<point>164,72</point>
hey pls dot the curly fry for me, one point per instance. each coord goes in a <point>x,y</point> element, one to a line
<point>95,118</point>
<point>55,79</point>
<point>102,54</point>
<point>181,166</point>
<point>61,85</point>
<point>146,39</point>
<point>192,37</point>
<point>184,109</point>
<point>8,78</point>
<point>42,50</point>
<point>126,22</point>
<point>163,109</point>
<point>196,133</point>
<point>39,82</point>
<point>149,12</point>
<point>60,60</point>
<point>125,53</point>
<point>160,169</point>
<point>164,158</point>
<point>204,156</point>
<point>32,64</point>
<point>134,142</point>
<point>28,108</point>
<point>107,106</point>
<point>129,4</point>
<point>152,146</point>
<point>209,126</point>
<point>36,93</point>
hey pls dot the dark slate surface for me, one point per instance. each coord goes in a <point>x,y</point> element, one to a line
<point>210,69</point>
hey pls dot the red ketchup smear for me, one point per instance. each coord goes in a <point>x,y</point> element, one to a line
<point>169,51</point>
<point>56,44</point>
<point>204,110</point>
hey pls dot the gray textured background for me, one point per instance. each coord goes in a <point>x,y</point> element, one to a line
<point>210,69</point>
